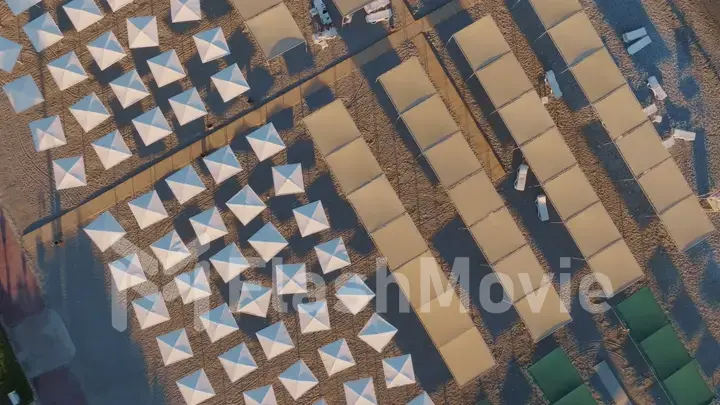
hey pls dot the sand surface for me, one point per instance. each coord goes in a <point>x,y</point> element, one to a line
<point>121,368</point>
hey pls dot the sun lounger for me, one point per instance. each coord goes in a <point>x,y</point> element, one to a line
<point>650,110</point>
<point>376,5</point>
<point>611,383</point>
<point>638,45</point>
<point>657,119</point>
<point>668,142</point>
<point>684,135</point>
<point>656,88</point>
<point>552,82</point>
<point>634,34</point>
<point>378,17</point>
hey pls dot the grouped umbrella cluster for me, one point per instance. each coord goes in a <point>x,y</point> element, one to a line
<point>129,88</point>
<point>254,299</point>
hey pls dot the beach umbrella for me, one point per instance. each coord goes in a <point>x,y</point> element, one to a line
<point>89,112</point>
<point>106,50</point>
<point>152,126</point>
<point>47,133</point>
<point>151,310</point>
<point>23,93</point>
<point>170,250</point>
<point>148,209</point>
<point>195,388</point>
<point>222,164</point>
<point>230,82</point>
<point>174,346</point>
<point>185,184</point>
<point>43,32</point>
<point>193,285</point>
<point>67,71</point>
<point>218,322</point>
<point>69,172</point>
<point>229,262</point>
<point>127,272</point>
<point>166,68</point>
<point>111,149</point>
<point>104,231</point>
<point>246,205</point>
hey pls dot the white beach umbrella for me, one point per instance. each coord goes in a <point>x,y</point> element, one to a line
<point>298,379</point>
<point>43,32</point>
<point>195,388</point>
<point>355,294</point>
<point>106,50</point>
<point>230,82</point>
<point>314,316</point>
<point>188,106</point>
<point>267,242</point>
<point>19,6</point>
<point>377,332</point>
<point>67,70</point>
<point>116,5</point>
<point>9,54</point>
<point>238,362</point>
<point>23,93</point>
<point>129,88</point>
<point>260,396</point>
<point>336,357</point>
<point>265,141</point>
<point>82,13</point>
<point>104,231</point>
<point>222,164</point>
<point>89,112</point>
<point>148,209</point>
<point>142,32</point>
<point>332,255</point>
<point>208,226</point>
<point>193,285</point>
<point>111,149</point>
<point>127,272</point>
<point>152,126</point>
<point>211,44</point>
<point>311,218</point>
<point>185,10</point>
<point>174,346</point>
<point>254,300</point>
<point>246,205</point>
<point>229,262</point>
<point>218,322</point>
<point>291,279</point>
<point>360,392</point>
<point>166,68</point>
<point>288,179</point>
<point>47,133</point>
<point>185,184</point>
<point>275,340</point>
<point>151,310</point>
<point>422,399</point>
<point>398,371</point>
<point>69,172</point>
<point>170,250</point>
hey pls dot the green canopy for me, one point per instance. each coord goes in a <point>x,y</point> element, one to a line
<point>665,352</point>
<point>642,314</point>
<point>555,375</point>
<point>579,396</point>
<point>688,387</point>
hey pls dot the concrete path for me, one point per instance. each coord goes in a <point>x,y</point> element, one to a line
<point>38,335</point>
